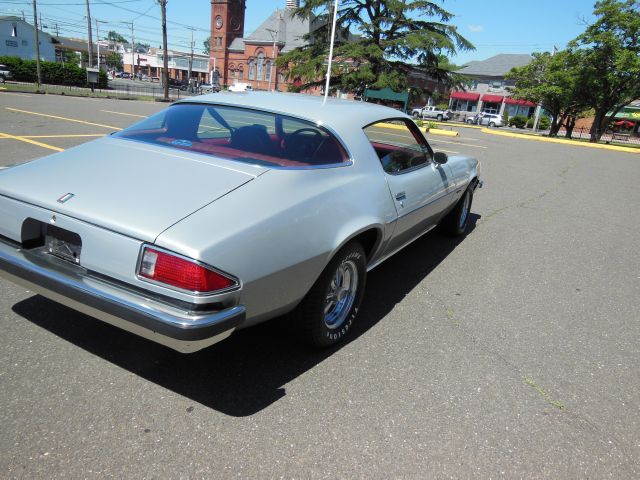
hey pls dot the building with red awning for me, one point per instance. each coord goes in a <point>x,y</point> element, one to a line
<point>488,89</point>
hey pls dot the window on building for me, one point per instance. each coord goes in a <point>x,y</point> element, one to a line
<point>240,72</point>
<point>268,72</point>
<point>14,29</point>
<point>260,68</point>
<point>252,70</point>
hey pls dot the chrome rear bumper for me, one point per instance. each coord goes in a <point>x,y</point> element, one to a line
<point>177,327</point>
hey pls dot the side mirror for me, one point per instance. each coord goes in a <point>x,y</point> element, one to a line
<point>440,158</point>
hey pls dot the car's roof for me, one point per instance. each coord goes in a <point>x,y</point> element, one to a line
<point>335,113</point>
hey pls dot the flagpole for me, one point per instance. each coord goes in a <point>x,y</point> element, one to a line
<point>333,35</point>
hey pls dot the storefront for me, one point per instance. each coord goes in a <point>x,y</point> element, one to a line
<point>464,101</point>
<point>491,103</point>
<point>515,107</point>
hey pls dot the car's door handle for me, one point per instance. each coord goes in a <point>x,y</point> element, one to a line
<point>401,196</point>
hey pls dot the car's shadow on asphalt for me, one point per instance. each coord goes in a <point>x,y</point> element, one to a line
<point>247,372</point>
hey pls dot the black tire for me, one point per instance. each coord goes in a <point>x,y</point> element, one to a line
<point>415,115</point>
<point>439,118</point>
<point>491,124</point>
<point>470,121</point>
<point>456,221</point>
<point>310,317</point>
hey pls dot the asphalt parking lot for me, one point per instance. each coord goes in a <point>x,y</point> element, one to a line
<point>511,353</point>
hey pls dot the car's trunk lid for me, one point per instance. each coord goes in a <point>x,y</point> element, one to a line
<point>135,189</point>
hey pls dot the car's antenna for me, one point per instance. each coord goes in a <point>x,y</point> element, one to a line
<point>333,35</point>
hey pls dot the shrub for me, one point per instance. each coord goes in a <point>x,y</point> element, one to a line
<point>518,121</point>
<point>52,72</point>
<point>442,106</point>
<point>431,125</point>
<point>544,122</point>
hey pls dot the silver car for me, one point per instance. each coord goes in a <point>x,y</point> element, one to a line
<point>224,211</point>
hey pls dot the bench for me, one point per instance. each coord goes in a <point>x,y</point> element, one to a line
<point>620,136</point>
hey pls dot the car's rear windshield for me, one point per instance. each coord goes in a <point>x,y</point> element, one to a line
<point>240,134</point>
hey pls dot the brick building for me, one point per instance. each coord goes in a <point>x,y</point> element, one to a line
<point>251,59</point>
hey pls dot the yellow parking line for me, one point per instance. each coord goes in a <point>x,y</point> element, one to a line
<point>65,136</point>
<point>33,142</point>
<point>127,114</point>
<point>63,118</point>
<point>460,143</point>
<point>17,94</point>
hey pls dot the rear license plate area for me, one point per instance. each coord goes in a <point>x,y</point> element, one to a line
<point>52,239</point>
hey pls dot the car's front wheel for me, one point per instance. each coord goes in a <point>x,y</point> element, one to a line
<point>492,124</point>
<point>456,221</point>
<point>415,115</point>
<point>327,312</point>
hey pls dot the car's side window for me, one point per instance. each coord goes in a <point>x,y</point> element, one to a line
<point>399,145</point>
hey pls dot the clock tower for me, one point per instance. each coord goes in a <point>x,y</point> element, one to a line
<point>227,24</point>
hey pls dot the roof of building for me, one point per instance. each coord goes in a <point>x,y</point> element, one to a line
<point>74,44</point>
<point>288,30</point>
<point>496,66</point>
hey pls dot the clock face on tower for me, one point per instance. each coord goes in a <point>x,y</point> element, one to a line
<point>235,23</point>
<point>219,21</point>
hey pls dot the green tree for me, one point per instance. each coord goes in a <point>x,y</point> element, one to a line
<point>390,35</point>
<point>206,45</point>
<point>114,60</point>
<point>552,81</point>
<point>611,60</point>
<point>114,36</point>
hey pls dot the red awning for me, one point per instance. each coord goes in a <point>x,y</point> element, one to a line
<point>465,96</point>
<point>492,98</point>
<point>513,101</point>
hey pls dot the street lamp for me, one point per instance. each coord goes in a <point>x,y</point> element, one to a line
<point>274,35</point>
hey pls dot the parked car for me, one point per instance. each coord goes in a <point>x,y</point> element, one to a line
<point>4,73</point>
<point>490,119</point>
<point>240,87</point>
<point>224,211</point>
<point>431,112</point>
<point>208,88</point>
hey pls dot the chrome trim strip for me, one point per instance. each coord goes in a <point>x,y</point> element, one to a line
<point>181,330</point>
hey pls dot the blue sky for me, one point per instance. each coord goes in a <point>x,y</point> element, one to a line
<point>498,26</point>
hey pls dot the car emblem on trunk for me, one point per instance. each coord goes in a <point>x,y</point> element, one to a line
<point>66,197</point>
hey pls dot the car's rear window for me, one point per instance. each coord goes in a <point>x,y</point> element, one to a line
<point>241,134</point>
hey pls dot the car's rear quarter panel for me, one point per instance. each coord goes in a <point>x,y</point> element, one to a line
<point>278,233</point>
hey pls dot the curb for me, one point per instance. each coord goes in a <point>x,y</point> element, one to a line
<point>445,133</point>
<point>434,131</point>
<point>562,141</point>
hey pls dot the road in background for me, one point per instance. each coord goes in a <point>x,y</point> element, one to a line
<point>512,352</point>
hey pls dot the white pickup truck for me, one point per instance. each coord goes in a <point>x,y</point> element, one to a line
<point>430,112</point>
<point>4,73</point>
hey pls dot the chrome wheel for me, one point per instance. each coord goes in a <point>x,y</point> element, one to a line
<point>341,294</point>
<point>464,213</point>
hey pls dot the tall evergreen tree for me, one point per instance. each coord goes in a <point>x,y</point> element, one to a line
<point>377,43</point>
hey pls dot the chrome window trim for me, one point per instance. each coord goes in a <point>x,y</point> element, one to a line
<point>347,163</point>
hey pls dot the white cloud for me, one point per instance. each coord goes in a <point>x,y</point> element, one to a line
<point>476,28</point>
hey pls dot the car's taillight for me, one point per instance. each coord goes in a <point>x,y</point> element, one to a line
<point>163,267</point>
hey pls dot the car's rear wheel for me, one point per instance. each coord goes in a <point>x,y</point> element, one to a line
<point>415,115</point>
<point>327,312</point>
<point>456,221</point>
<point>492,124</point>
<point>469,121</point>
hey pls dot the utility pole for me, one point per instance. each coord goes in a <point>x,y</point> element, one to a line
<point>191,57</point>
<point>89,40</point>
<point>133,47</point>
<point>165,56</point>
<point>98,38</point>
<point>35,23</point>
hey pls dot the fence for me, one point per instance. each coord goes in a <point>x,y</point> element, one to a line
<point>622,138</point>
<point>119,90</point>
